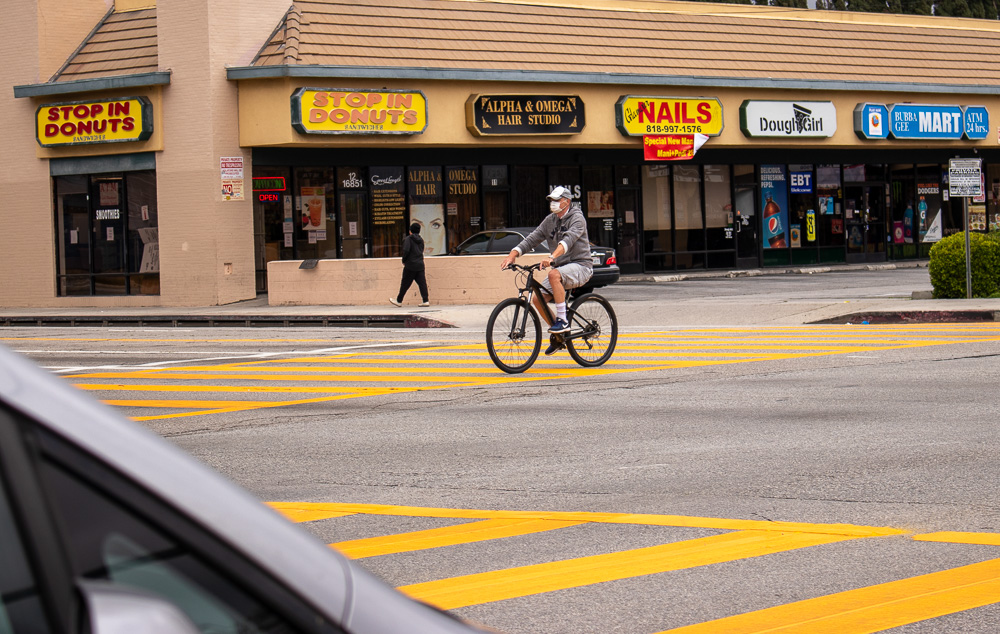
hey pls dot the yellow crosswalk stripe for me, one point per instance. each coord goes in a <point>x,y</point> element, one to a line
<point>498,585</point>
<point>449,364</point>
<point>447,536</point>
<point>872,609</point>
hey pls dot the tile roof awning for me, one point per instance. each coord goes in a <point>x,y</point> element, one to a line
<point>651,42</point>
<point>120,52</point>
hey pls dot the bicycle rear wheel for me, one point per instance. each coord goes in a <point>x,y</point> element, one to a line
<point>593,316</point>
<point>513,335</point>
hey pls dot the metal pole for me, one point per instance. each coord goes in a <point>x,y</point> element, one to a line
<point>968,250</point>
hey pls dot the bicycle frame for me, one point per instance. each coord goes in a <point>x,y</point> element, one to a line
<point>529,290</point>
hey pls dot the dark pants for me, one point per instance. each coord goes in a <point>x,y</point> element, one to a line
<point>408,278</point>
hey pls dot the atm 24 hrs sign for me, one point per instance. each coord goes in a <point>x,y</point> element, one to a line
<point>84,122</point>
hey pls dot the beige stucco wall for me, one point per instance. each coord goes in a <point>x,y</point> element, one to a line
<point>451,280</point>
<point>265,114</point>
<point>27,258</point>
<point>206,242</point>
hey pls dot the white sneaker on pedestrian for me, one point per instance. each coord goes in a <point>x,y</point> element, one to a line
<point>424,304</point>
<point>392,300</point>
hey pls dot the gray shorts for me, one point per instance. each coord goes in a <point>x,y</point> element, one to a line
<point>573,276</point>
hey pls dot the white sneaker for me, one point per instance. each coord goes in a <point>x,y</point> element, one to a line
<point>424,304</point>
<point>392,300</point>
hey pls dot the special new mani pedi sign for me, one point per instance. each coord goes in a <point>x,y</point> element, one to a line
<point>86,122</point>
<point>348,111</point>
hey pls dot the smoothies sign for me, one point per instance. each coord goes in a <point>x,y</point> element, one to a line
<point>346,111</point>
<point>85,122</point>
<point>638,116</point>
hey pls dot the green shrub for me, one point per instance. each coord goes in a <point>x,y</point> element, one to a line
<point>947,265</point>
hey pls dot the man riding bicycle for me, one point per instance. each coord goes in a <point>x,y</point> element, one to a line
<point>570,259</point>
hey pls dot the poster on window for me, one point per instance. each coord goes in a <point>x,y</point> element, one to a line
<point>600,204</point>
<point>313,208</point>
<point>774,202</point>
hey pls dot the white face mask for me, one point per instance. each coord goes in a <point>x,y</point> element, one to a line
<point>555,206</point>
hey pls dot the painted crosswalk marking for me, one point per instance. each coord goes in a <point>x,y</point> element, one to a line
<point>329,374</point>
<point>858,611</point>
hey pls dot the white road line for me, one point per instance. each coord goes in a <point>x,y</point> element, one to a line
<point>259,355</point>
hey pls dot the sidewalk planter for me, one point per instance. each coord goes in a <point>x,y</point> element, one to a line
<point>451,280</point>
<point>947,266</point>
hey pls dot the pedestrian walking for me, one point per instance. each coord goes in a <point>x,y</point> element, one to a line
<point>413,267</point>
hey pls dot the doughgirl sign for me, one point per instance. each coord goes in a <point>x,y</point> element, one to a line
<point>347,111</point>
<point>83,122</point>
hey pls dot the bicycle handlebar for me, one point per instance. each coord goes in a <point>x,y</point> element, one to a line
<point>531,267</point>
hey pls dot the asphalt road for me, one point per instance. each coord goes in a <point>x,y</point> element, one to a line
<point>842,476</point>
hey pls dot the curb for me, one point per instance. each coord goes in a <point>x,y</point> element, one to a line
<point>645,278</point>
<point>231,321</point>
<point>913,317</point>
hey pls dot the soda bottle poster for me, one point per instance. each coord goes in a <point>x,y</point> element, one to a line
<point>774,205</point>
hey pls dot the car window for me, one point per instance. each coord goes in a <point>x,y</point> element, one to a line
<point>20,605</point>
<point>107,541</point>
<point>475,244</point>
<point>504,241</point>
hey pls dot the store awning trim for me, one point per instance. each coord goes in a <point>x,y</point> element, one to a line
<point>139,80</point>
<point>451,74</point>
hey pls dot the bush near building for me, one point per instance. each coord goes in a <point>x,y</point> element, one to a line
<point>947,265</point>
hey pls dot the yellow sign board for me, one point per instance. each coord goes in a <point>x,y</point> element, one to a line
<point>84,122</point>
<point>347,111</point>
<point>638,116</point>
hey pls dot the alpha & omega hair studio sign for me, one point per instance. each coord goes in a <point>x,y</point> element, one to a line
<point>498,115</point>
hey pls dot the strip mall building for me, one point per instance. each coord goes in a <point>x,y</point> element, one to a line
<point>163,154</point>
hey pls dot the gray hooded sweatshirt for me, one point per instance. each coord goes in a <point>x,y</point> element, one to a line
<point>570,231</point>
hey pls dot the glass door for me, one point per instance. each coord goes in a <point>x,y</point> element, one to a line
<point>745,219</point>
<point>627,244</point>
<point>865,220</point>
<point>109,239</point>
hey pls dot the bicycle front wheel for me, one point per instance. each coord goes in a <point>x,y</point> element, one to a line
<point>513,335</point>
<point>592,316</point>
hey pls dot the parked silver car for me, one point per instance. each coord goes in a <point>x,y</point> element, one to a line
<point>107,528</point>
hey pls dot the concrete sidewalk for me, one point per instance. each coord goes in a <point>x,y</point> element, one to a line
<point>669,299</point>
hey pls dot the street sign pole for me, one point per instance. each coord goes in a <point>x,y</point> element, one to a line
<point>968,250</point>
<point>965,180</point>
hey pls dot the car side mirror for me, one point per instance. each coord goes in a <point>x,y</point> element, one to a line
<point>114,609</point>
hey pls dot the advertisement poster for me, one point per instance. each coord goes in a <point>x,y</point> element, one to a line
<point>600,204</point>
<point>897,232</point>
<point>313,208</point>
<point>774,202</point>
<point>933,227</point>
<point>796,231</point>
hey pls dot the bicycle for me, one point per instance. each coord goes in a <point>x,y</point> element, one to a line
<point>514,332</point>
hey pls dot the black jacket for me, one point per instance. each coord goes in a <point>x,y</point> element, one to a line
<point>413,253</point>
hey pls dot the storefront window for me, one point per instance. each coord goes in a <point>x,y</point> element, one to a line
<point>928,207</point>
<point>427,207</point>
<point>530,188</point>
<point>718,207</point>
<point>315,218</point>
<point>599,204</point>
<point>993,197</point>
<point>388,205</point>
<point>657,217</point>
<point>352,211</point>
<point>829,213</point>
<point>802,228</point>
<point>690,227</point>
<point>464,216</point>
<point>496,196</point>
<point>107,232</point>
<point>272,219</point>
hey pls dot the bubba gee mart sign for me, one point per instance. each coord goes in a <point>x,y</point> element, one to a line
<point>785,119</point>
<point>491,115</point>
